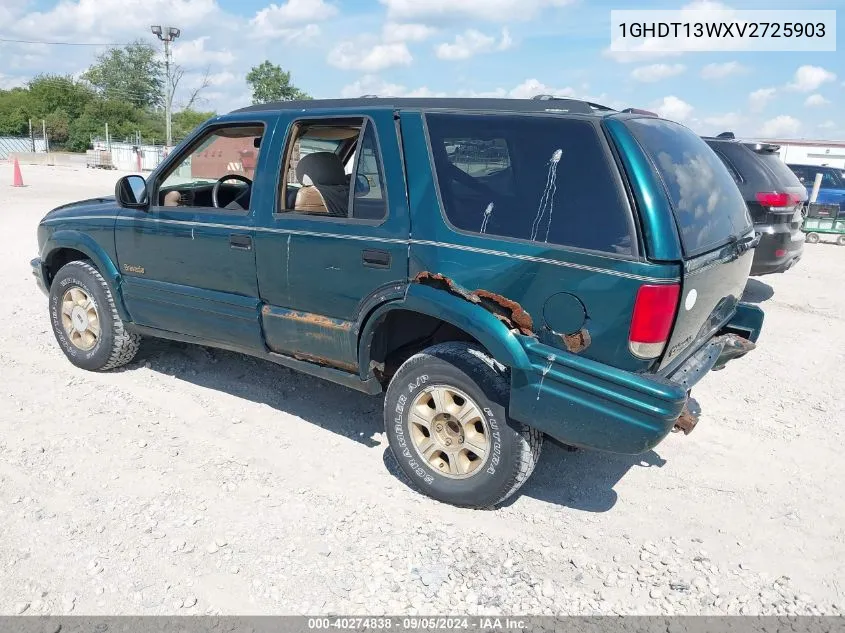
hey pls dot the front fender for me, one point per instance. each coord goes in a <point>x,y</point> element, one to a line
<point>84,243</point>
<point>469,317</point>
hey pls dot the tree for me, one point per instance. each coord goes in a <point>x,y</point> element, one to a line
<point>270,83</point>
<point>49,93</point>
<point>132,74</point>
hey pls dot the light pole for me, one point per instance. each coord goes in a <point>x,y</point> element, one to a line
<point>167,35</point>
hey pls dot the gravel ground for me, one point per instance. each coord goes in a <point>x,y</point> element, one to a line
<point>200,481</point>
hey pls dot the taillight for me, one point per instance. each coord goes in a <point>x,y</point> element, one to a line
<point>651,324</point>
<point>777,199</point>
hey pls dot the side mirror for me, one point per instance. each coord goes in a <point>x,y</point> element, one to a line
<point>131,192</point>
<point>362,185</point>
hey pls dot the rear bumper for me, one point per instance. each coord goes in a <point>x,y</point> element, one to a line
<point>40,274</point>
<point>780,248</point>
<point>581,402</point>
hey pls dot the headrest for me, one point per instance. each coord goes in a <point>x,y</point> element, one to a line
<point>320,168</point>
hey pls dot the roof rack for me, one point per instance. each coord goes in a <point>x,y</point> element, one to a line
<point>571,100</point>
<point>640,111</point>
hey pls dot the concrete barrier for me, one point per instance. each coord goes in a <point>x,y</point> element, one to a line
<point>62,159</point>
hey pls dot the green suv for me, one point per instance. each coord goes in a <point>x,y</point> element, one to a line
<point>500,269</point>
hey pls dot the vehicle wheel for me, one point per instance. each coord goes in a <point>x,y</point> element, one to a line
<point>85,321</point>
<point>841,240</point>
<point>812,238</point>
<point>445,416</point>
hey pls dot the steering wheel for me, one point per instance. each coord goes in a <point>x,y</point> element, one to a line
<point>216,189</point>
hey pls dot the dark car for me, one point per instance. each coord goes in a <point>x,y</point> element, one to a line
<point>775,199</point>
<point>570,271</point>
<point>832,189</point>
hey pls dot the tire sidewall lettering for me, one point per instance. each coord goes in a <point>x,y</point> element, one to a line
<point>64,284</point>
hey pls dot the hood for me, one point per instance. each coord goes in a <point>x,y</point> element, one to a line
<point>104,205</point>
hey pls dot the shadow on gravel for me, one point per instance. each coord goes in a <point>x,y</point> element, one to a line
<point>757,291</point>
<point>343,411</point>
<point>580,479</point>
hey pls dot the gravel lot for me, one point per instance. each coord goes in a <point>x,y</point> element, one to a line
<point>200,481</point>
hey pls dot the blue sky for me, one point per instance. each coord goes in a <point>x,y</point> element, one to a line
<point>448,47</point>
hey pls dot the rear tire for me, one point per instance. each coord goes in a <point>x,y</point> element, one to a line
<point>841,240</point>
<point>85,321</point>
<point>446,420</point>
<point>813,238</point>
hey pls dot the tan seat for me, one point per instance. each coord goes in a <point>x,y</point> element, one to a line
<point>325,188</point>
<point>310,200</point>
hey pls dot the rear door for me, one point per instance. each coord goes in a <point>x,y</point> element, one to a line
<point>714,226</point>
<point>319,273</point>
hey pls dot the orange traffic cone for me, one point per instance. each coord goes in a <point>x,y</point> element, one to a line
<point>18,182</point>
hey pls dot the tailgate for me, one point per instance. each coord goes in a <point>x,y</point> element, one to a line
<point>711,288</point>
<point>715,230</point>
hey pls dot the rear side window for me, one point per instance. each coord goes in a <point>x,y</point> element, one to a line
<point>541,179</point>
<point>708,207</point>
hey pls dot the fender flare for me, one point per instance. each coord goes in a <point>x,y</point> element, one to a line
<point>84,243</point>
<point>473,319</point>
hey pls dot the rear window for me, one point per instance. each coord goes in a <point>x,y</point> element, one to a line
<point>708,207</point>
<point>541,179</point>
<point>783,173</point>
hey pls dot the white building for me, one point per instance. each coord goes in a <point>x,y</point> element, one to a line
<point>802,152</point>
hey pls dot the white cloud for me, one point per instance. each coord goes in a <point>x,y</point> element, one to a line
<point>487,10</point>
<point>724,122</point>
<point>7,82</point>
<point>194,53</point>
<point>758,99</point>
<point>369,57</point>
<point>782,125</point>
<point>471,43</point>
<point>112,20</point>
<point>656,72</point>
<point>374,85</point>
<point>809,78</point>
<point>720,71</point>
<point>393,32</point>
<point>295,12</point>
<point>673,108</point>
<point>815,100</point>
<point>287,20</point>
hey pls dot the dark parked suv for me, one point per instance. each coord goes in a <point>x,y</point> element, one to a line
<point>501,270</point>
<point>775,199</point>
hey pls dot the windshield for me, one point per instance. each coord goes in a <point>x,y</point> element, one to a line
<point>708,207</point>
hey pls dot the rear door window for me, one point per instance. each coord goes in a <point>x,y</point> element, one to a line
<point>708,207</point>
<point>543,179</point>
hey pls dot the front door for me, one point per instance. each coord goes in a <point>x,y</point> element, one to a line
<point>188,262</point>
<point>337,243</point>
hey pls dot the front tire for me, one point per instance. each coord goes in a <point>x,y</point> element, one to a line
<point>446,421</point>
<point>85,321</point>
<point>812,238</point>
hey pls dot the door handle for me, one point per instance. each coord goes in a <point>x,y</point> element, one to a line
<point>240,241</point>
<point>375,258</point>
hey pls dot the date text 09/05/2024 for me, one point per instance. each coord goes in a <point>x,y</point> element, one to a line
<point>406,623</point>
